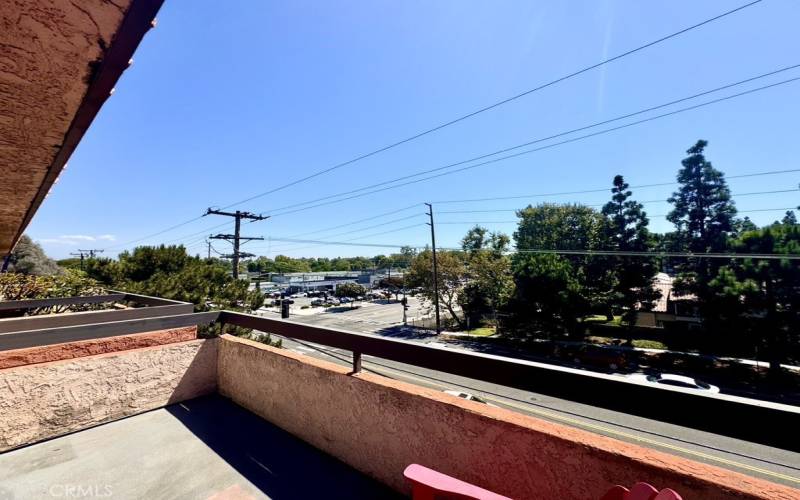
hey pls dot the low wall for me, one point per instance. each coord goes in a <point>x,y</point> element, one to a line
<point>71,350</point>
<point>379,426</point>
<point>45,400</point>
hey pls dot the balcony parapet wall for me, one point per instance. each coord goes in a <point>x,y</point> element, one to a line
<point>379,426</point>
<point>45,400</point>
<point>71,350</point>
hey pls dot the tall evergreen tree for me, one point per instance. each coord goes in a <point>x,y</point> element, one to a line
<point>627,227</point>
<point>704,211</point>
<point>703,215</point>
<point>790,219</point>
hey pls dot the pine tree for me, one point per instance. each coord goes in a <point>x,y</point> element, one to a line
<point>704,211</point>
<point>704,218</point>
<point>627,227</point>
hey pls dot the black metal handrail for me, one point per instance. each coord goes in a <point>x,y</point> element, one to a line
<point>758,421</point>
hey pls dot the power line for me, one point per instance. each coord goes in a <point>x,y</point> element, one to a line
<point>608,190</point>
<point>394,221</point>
<point>707,255</point>
<point>295,240</point>
<point>541,148</point>
<point>464,117</point>
<point>609,253</point>
<point>497,104</point>
<point>543,139</point>
<point>378,216</point>
<point>777,191</point>
<point>657,215</point>
<point>176,226</point>
<point>604,190</point>
<point>342,243</point>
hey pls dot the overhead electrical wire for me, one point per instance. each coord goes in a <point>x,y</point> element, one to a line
<point>606,189</point>
<point>463,117</point>
<point>541,148</point>
<point>440,212</point>
<point>787,68</point>
<point>466,222</point>
<point>543,139</point>
<point>609,253</point>
<point>707,255</point>
<point>496,104</point>
<point>378,216</point>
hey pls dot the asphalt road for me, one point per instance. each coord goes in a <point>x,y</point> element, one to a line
<point>769,463</point>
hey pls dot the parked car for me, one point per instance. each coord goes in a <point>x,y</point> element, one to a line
<point>317,302</point>
<point>334,301</point>
<point>468,397</point>
<point>598,357</point>
<point>672,380</point>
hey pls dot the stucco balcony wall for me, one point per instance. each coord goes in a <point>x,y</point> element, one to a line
<point>71,350</point>
<point>45,400</point>
<point>379,426</point>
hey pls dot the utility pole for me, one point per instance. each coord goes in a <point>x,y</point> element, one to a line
<point>236,237</point>
<point>208,242</point>
<point>86,253</point>
<point>435,270</point>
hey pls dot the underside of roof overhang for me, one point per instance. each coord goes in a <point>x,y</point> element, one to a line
<point>59,62</point>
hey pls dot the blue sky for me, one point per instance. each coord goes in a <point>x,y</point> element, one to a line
<point>227,100</point>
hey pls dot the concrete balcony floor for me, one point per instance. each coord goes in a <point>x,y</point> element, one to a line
<point>206,448</point>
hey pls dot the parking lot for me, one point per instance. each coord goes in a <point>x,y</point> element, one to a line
<point>362,316</point>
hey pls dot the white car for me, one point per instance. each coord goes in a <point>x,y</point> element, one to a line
<point>468,397</point>
<point>672,380</point>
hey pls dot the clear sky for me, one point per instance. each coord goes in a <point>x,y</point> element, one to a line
<point>226,100</point>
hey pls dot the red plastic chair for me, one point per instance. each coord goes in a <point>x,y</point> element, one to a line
<point>428,484</point>
<point>640,491</point>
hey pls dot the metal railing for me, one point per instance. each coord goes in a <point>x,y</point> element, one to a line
<point>753,420</point>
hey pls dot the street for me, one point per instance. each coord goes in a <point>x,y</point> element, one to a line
<point>749,458</point>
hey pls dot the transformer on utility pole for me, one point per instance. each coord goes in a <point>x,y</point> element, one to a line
<point>236,238</point>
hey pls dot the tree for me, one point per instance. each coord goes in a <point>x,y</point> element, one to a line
<point>451,276</point>
<point>627,232</point>
<point>790,219</point>
<point>553,292</point>
<point>489,283</point>
<point>350,290</point>
<point>761,295</point>
<point>703,215</point>
<point>741,226</point>
<point>28,257</point>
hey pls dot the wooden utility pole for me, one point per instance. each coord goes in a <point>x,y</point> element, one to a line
<point>435,270</point>
<point>236,237</point>
<point>86,253</point>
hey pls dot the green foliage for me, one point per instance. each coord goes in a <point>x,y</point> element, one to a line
<point>757,300</point>
<point>632,282</point>
<point>552,292</point>
<point>703,210</point>
<point>285,264</point>
<point>351,290</point>
<point>29,258</point>
<point>169,272</point>
<point>451,267</point>
<point>488,280</point>
<point>703,215</point>
<point>71,283</point>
